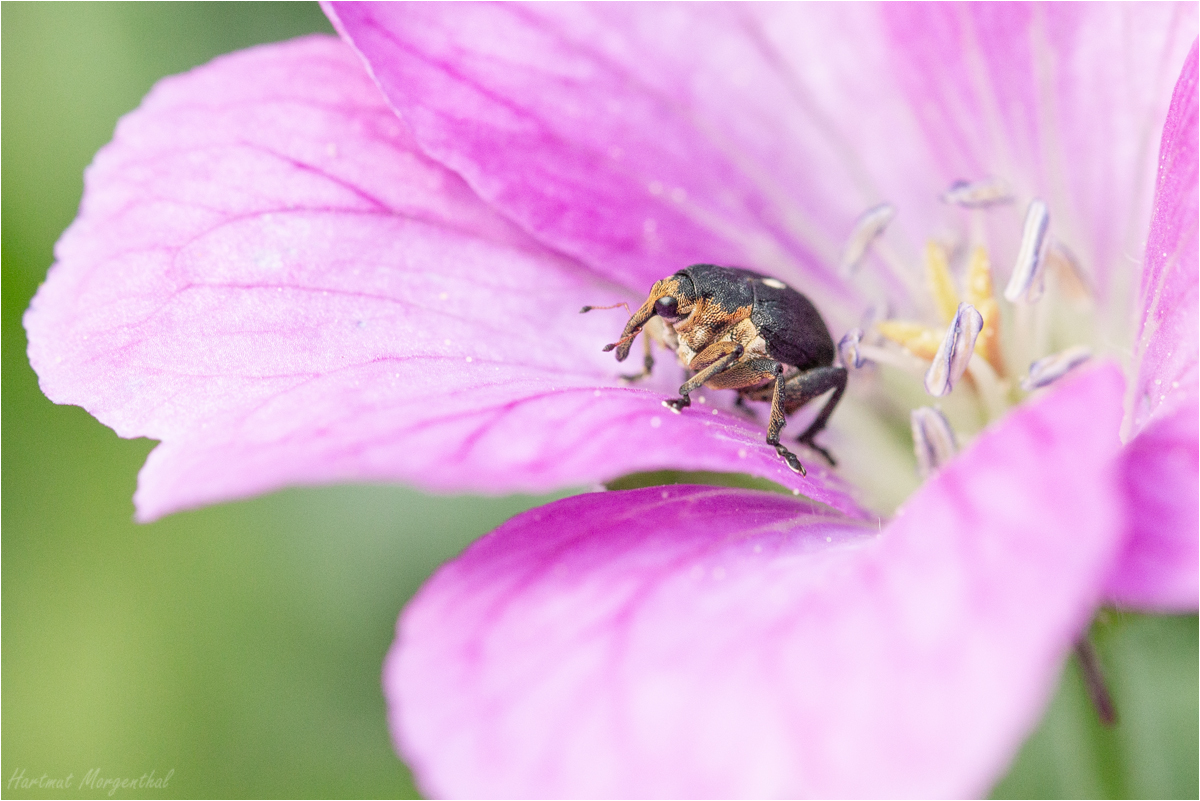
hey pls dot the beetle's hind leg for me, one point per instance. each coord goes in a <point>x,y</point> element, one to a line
<point>803,387</point>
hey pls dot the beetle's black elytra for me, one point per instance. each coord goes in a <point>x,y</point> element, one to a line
<point>738,329</point>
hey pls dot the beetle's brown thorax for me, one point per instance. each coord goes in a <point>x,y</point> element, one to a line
<point>710,322</point>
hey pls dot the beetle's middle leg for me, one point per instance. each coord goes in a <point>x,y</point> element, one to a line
<point>778,419</point>
<point>799,389</point>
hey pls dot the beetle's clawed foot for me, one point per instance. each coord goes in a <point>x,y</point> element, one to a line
<point>808,442</point>
<point>677,405</point>
<point>792,460</point>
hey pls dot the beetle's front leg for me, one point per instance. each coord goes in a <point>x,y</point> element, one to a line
<point>718,357</point>
<point>647,362</point>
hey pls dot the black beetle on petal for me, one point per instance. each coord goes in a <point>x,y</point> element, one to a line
<point>738,329</point>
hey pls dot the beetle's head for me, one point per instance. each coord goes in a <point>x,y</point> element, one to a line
<point>671,298</point>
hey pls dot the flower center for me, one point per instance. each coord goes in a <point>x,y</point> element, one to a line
<point>973,354</point>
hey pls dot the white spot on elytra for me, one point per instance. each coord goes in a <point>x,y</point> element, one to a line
<point>469,360</point>
<point>795,492</point>
<point>655,422</point>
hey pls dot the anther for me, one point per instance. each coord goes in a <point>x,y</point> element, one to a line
<point>867,229</point>
<point>848,349</point>
<point>1025,286</point>
<point>955,352</point>
<point>1047,370</point>
<point>977,194</point>
<point>933,439</point>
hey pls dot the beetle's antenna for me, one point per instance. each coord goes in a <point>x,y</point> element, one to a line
<point>587,309</point>
<point>623,340</point>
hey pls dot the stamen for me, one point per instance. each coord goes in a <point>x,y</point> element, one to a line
<point>867,229</point>
<point>902,360</point>
<point>1068,272</point>
<point>981,295</point>
<point>919,340</point>
<point>848,349</point>
<point>941,284</point>
<point>977,194</point>
<point>1047,370</point>
<point>1026,285</point>
<point>955,351</point>
<point>933,439</point>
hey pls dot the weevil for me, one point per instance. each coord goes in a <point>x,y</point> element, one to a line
<point>738,329</point>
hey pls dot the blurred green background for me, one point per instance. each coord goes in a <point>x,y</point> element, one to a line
<point>240,646</point>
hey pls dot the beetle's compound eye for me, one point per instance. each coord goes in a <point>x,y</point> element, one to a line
<point>666,306</point>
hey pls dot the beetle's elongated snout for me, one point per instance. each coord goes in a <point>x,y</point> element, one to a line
<point>632,329</point>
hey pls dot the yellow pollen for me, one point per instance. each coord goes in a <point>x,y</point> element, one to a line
<point>981,296</point>
<point>918,339</point>
<point>941,283</point>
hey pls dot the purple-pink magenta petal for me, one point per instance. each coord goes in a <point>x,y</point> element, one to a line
<point>638,137</point>
<point>1063,100</point>
<point>1168,336</point>
<point>269,277</point>
<point>1158,566</point>
<point>642,137</point>
<point>1160,569</point>
<point>702,642</point>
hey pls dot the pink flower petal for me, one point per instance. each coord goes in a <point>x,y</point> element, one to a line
<point>701,642</point>
<point>638,138</point>
<point>642,137</point>
<point>268,276</point>
<point>1159,570</point>
<point>1168,334</point>
<point>1062,101</point>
